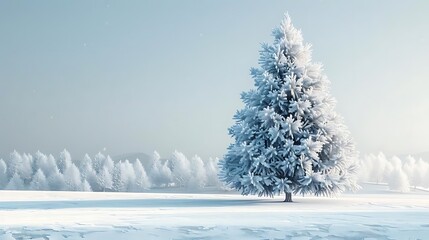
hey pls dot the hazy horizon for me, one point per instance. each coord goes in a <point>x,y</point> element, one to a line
<point>134,76</point>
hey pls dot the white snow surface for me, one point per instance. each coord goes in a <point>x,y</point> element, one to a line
<point>372,213</point>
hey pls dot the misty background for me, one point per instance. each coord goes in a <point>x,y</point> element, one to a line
<point>139,76</point>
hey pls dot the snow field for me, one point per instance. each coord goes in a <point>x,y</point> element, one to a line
<point>373,213</point>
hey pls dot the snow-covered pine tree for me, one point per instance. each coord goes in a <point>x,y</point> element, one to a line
<point>288,137</point>
<point>3,176</point>
<point>86,187</point>
<point>159,174</point>
<point>25,169</point>
<point>13,164</point>
<point>105,180</point>
<point>98,162</point>
<point>198,179</point>
<point>15,183</point>
<point>212,172</point>
<point>181,169</point>
<point>65,161</point>
<point>88,172</point>
<point>51,167</point>
<point>117,184</point>
<point>72,178</point>
<point>56,180</point>
<point>142,181</point>
<point>399,180</point>
<point>39,181</point>
<point>128,176</point>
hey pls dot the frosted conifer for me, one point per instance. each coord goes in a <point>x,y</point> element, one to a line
<point>39,181</point>
<point>288,137</point>
<point>3,176</point>
<point>15,183</point>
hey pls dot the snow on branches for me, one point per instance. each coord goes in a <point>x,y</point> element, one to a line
<point>288,137</point>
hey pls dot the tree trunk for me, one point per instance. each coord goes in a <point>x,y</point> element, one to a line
<point>288,197</point>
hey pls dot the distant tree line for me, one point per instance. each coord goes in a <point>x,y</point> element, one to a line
<point>102,174</point>
<point>399,174</point>
<point>23,171</point>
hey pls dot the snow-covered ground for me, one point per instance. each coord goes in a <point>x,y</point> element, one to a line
<point>372,213</point>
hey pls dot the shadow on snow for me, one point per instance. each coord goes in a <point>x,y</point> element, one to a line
<point>127,203</point>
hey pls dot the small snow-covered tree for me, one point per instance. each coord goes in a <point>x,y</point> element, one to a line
<point>56,181</point>
<point>160,173</point>
<point>181,169</point>
<point>212,171</point>
<point>15,183</point>
<point>398,180</point>
<point>95,180</point>
<point>3,172</point>
<point>105,180</point>
<point>288,138</point>
<point>109,164</point>
<point>86,166</point>
<point>365,168</point>
<point>51,166</point>
<point>86,187</point>
<point>39,181</point>
<point>421,173</point>
<point>65,161</point>
<point>198,177</point>
<point>154,169</point>
<point>409,169</point>
<point>72,178</point>
<point>379,170</point>
<point>128,175</point>
<point>13,163</point>
<point>40,161</point>
<point>88,173</point>
<point>392,164</point>
<point>116,178</point>
<point>98,161</point>
<point>142,181</point>
<point>25,169</point>
<point>123,176</point>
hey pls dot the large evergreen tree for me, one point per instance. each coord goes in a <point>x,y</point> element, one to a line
<point>288,137</point>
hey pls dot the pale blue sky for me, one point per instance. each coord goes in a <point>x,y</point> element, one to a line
<point>135,76</point>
